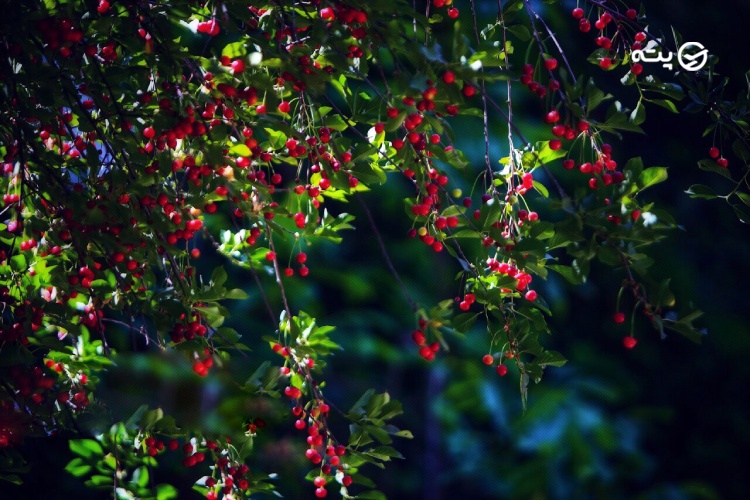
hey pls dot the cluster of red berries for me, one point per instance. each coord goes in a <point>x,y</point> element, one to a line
<point>427,351</point>
<point>452,12</point>
<point>189,330</point>
<point>603,171</point>
<point>715,154</point>
<point>620,22</point>
<point>202,365</point>
<point>527,78</point>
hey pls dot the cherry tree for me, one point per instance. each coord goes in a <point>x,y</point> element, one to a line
<point>139,136</point>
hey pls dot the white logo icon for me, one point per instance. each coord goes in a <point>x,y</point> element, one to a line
<point>695,61</point>
<point>687,57</point>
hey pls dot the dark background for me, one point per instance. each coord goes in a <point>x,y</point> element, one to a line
<point>668,419</point>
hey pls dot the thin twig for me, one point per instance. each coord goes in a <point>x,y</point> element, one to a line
<point>386,257</point>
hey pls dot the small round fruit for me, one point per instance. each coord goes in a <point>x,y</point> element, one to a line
<point>629,342</point>
<point>502,370</point>
<point>618,318</point>
<point>487,359</point>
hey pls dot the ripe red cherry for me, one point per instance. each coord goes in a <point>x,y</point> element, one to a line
<point>327,14</point>
<point>319,481</point>
<point>577,13</point>
<point>637,69</point>
<point>200,369</point>
<point>449,77</point>
<point>722,162</point>
<point>584,25</point>
<point>629,342</point>
<point>321,492</point>
<point>605,63</point>
<point>487,359</point>
<point>631,14</point>
<point>284,107</point>
<point>713,152</point>
<point>550,63</point>
<point>453,13</point>
<point>238,66</point>
<point>618,317</point>
<point>531,295</point>
<point>468,90</point>
<point>502,370</point>
<point>552,117</point>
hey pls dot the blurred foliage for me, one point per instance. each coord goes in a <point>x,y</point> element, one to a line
<point>668,420</point>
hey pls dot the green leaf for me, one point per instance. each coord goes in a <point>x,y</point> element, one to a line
<point>741,214</point>
<point>372,495</point>
<point>77,467</point>
<point>701,191</point>
<point>651,176</point>
<point>620,121</point>
<point>739,148</point>
<point>240,150</point>
<point>638,115</point>
<point>744,197</point>
<point>86,448</point>
<point>219,276</point>
<point>141,476</point>
<point>711,166</point>
<point>552,358</point>
<point>166,492</point>
<point>236,294</point>
<point>666,104</point>
<point>234,50</point>
<point>336,122</point>
<point>463,322</point>
<point>18,263</point>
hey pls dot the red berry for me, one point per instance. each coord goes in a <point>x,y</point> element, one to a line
<point>449,77</point>
<point>284,107</point>
<point>605,63</point>
<point>502,370</point>
<point>618,317</point>
<point>238,66</point>
<point>552,117</point>
<point>487,359</point>
<point>629,342</point>
<point>577,13</point>
<point>200,369</point>
<point>631,14</point>
<point>550,63</point>
<point>321,492</point>
<point>327,14</point>
<point>637,69</point>
<point>531,295</point>
<point>453,13</point>
<point>722,162</point>
<point>319,481</point>
<point>713,152</point>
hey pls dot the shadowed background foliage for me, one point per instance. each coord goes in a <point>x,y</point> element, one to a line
<point>665,420</point>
